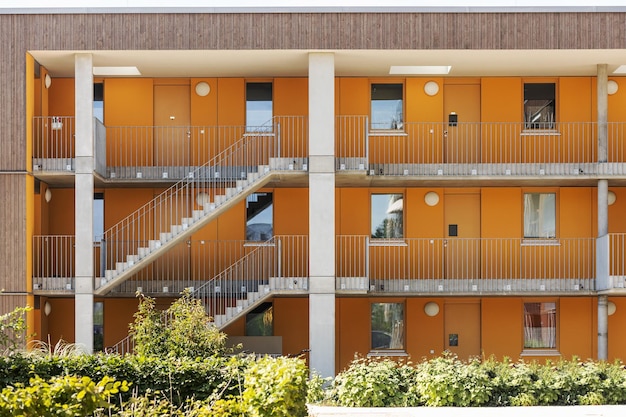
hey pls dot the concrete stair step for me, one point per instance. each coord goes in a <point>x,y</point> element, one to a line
<point>154,244</point>
<point>165,236</point>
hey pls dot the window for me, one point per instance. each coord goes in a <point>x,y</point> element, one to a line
<point>539,105</point>
<point>540,325</point>
<point>260,321</point>
<point>539,215</point>
<point>98,326</point>
<point>98,101</point>
<point>259,217</point>
<point>387,326</point>
<point>259,107</point>
<point>387,112</point>
<point>98,217</point>
<point>387,216</point>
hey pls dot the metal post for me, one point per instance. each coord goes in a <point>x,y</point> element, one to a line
<point>367,143</point>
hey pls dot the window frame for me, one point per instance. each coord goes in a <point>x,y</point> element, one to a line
<point>387,239</point>
<point>390,351</point>
<point>540,350</point>
<point>257,313</point>
<point>399,125</point>
<point>532,126</point>
<point>261,241</point>
<point>265,126</point>
<point>540,239</point>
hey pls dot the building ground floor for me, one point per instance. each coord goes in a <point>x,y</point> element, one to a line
<point>517,327</point>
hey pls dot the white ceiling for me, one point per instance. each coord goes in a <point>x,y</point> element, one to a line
<point>371,63</point>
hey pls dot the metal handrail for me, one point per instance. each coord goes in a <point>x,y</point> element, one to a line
<point>465,264</point>
<point>204,189</point>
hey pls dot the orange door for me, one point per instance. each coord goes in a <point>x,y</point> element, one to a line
<point>461,139</point>
<point>462,328</point>
<point>462,244</point>
<point>172,134</point>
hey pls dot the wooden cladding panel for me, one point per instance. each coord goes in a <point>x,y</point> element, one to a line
<point>317,31</point>
<point>13,233</point>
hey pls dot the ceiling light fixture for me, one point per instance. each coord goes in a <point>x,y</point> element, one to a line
<point>419,69</point>
<point>100,71</point>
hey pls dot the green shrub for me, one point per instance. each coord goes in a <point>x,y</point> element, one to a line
<point>275,387</point>
<point>447,381</point>
<point>374,383</point>
<point>61,396</point>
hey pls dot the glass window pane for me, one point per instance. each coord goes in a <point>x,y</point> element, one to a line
<point>259,217</point>
<point>387,326</point>
<point>386,111</point>
<point>540,215</point>
<point>539,105</point>
<point>98,217</point>
<point>387,216</point>
<point>258,107</point>
<point>260,321</point>
<point>540,325</point>
<point>98,326</point>
<point>98,101</point>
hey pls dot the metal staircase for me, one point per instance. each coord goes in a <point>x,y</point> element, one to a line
<point>190,204</point>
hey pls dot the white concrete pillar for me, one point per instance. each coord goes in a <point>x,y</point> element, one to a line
<point>322,213</point>
<point>603,207</point>
<point>84,140</point>
<point>603,327</point>
<point>603,112</point>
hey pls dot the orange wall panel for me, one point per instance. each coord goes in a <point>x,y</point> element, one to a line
<point>291,322</point>
<point>617,102</point>
<point>617,220</point>
<point>121,202</point>
<point>353,329</point>
<point>422,220</point>
<point>291,96</point>
<point>128,101</point>
<point>231,102</point>
<point>353,205</point>
<point>291,211</point>
<point>502,99</point>
<point>61,97</point>
<point>501,212</point>
<point>502,327</point>
<point>354,97</point>
<point>231,225</point>
<point>575,212</point>
<point>574,99</point>
<point>617,336</point>
<point>60,321</point>
<point>576,318</point>
<point>61,212</point>
<point>204,109</point>
<point>118,314</point>
<point>421,107</point>
<point>424,333</point>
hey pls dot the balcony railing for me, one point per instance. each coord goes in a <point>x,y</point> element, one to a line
<point>159,152</point>
<point>460,149</point>
<point>460,265</point>
<point>612,268</point>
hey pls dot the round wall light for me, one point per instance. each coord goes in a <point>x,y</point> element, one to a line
<point>610,308</point>
<point>431,309</point>
<point>431,198</point>
<point>203,88</point>
<point>611,197</point>
<point>47,308</point>
<point>612,87</point>
<point>431,88</point>
<point>47,195</point>
<point>47,81</point>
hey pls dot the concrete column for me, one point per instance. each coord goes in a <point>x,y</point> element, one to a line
<point>603,207</point>
<point>322,213</point>
<point>603,113</point>
<point>603,327</point>
<point>83,70</point>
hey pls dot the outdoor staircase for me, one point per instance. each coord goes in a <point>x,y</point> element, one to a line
<point>183,209</point>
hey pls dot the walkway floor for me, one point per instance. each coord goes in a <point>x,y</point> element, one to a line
<point>577,411</point>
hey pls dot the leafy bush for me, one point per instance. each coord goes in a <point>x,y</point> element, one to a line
<point>13,329</point>
<point>61,396</point>
<point>183,330</point>
<point>447,381</point>
<point>276,387</point>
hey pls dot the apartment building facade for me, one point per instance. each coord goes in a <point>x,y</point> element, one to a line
<point>369,182</point>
